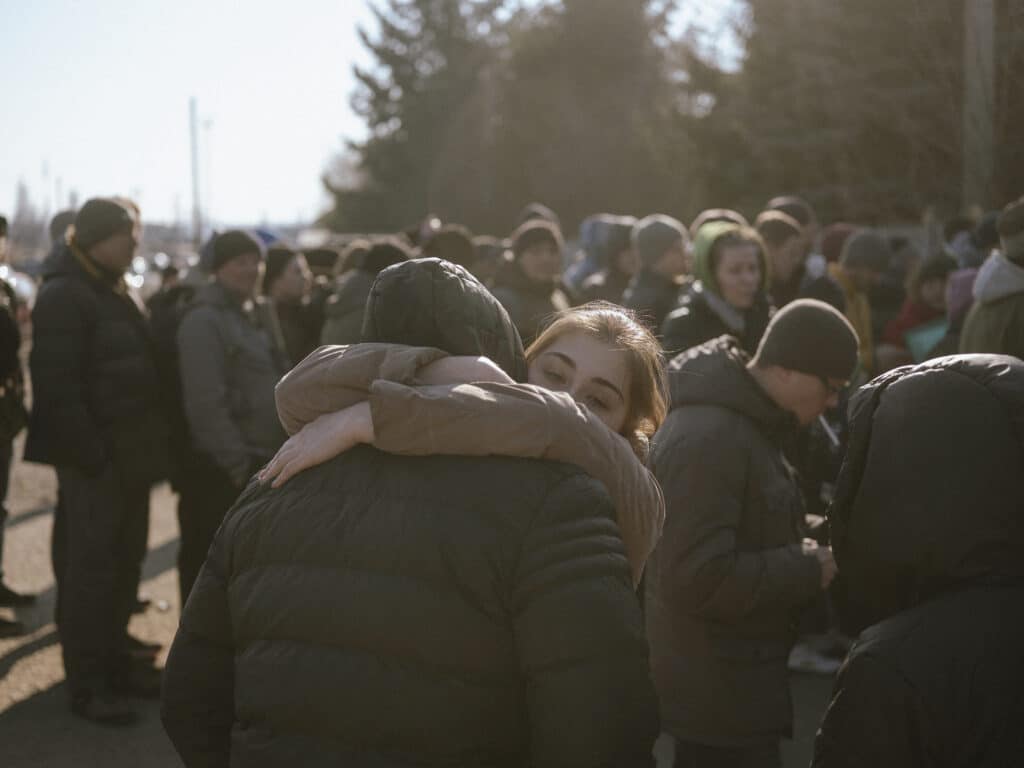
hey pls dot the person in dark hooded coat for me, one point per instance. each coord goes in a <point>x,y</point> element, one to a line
<point>928,535</point>
<point>402,611</point>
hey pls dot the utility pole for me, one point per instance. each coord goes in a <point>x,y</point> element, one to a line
<point>979,103</point>
<point>197,216</point>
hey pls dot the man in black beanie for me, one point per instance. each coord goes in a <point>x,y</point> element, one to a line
<point>731,573</point>
<point>661,244</point>
<point>528,286</point>
<point>230,361</point>
<point>99,419</point>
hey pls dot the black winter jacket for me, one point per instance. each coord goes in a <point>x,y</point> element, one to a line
<point>695,322</point>
<point>381,610</point>
<point>651,295</point>
<point>929,538</point>
<point>97,396</point>
<point>728,578</point>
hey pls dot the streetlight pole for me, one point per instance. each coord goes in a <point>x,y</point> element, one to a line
<point>197,216</point>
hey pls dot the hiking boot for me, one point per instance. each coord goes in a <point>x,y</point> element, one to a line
<point>11,599</point>
<point>104,709</point>
<point>10,628</point>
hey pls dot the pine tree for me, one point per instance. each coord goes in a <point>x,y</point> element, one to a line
<point>428,55</point>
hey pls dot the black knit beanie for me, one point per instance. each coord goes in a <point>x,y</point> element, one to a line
<point>533,232</point>
<point>101,218</point>
<point>810,337</point>
<point>231,245</point>
<point>653,235</point>
<point>866,249</point>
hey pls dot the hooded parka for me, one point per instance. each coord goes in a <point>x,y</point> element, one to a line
<point>929,537</point>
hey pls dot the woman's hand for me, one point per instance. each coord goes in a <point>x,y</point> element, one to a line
<point>323,438</point>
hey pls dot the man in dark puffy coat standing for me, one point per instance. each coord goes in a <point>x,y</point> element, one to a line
<point>929,534</point>
<point>98,418</point>
<point>730,575</point>
<point>408,611</point>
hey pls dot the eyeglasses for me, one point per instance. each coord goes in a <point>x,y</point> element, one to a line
<point>834,390</point>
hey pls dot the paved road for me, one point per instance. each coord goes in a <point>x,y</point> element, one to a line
<point>36,730</point>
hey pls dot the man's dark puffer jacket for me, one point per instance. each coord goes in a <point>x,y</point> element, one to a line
<point>728,578</point>
<point>929,538</point>
<point>381,610</point>
<point>97,393</point>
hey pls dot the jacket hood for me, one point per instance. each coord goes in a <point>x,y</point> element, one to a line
<point>716,373</point>
<point>998,278</point>
<point>704,243</point>
<point>929,499</point>
<point>434,303</point>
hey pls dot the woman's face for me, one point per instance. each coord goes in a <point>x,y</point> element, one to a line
<point>541,263</point>
<point>294,281</point>
<point>595,374</point>
<point>738,274</point>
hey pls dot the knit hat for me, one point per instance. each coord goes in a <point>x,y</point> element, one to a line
<point>535,231</point>
<point>866,249</point>
<point>716,214</point>
<point>453,243</point>
<point>776,227</point>
<point>653,235</point>
<point>99,219</point>
<point>537,212</point>
<point>231,245</point>
<point>811,337</point>
<point>1011,231</point>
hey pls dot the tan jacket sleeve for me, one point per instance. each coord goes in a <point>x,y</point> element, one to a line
<point>527,421</point>
<point>332,378</point>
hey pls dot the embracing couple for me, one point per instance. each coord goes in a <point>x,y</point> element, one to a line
<point>432,571</point>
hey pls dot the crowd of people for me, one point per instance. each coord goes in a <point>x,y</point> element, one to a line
<point>448,499</point>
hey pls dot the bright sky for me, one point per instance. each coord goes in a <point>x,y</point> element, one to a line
<point>96,95</point>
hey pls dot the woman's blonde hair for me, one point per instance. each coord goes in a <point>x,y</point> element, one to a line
<point>620,328</point>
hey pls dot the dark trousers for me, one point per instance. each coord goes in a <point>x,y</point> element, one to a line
<point>6,453</point>
<point>206,494</point>
<point>690,755</point>
<point>105,523</point>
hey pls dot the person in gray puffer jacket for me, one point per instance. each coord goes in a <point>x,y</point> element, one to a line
<point>400,611</point>
<point>229,365</point>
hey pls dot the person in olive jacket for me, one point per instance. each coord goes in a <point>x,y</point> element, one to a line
<point>929,535</point>
<point>404,611</point>
<point>99,420</point>
<point>731,573</point>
